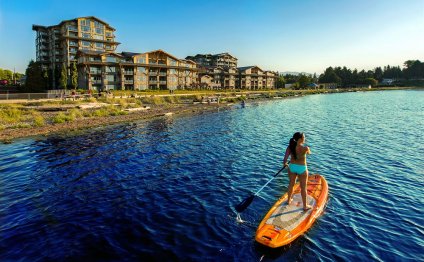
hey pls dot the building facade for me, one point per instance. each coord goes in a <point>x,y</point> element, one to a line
<point>134,71</point>
<point>254,78</point>
<point>58,44</point>
<point>224,60</point>
<point>222,68</point>
<point>90,43</point>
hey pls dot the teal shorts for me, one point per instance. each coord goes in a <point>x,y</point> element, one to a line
<point>298,169</point>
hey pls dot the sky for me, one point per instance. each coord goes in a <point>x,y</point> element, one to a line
<point>279,35</point>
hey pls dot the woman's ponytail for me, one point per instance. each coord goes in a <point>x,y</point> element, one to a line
<point>293,143</point>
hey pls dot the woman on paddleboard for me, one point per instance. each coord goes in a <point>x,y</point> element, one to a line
<point>297,167</point>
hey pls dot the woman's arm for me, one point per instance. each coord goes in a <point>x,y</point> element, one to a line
<point>286,156</point>
<point>308,150</point>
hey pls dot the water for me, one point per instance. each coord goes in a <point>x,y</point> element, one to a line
<point>165,189</point>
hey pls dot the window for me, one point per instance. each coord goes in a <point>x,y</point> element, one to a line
<point>172,71</point>
<point>110,59</point>
<point>85,22</point>
<point>111,78</point>
<point>85,43</point>
<point>97,24</point>
<point>141,70</point>
<point>99,31</point>
<point>86,35</point>
<point>110,69</point>
<point>172,62</point>
<point>141,60</point>
<point>99,45</point>
<point>95,59</point>
<point>98,37</point>
<point>85,28</point>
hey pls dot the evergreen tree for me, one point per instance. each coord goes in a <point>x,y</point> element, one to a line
<point>74,76</point>
<point>63,77</point>
<point>378,73</point>
<point>35,81</point>
<point>280,82</point>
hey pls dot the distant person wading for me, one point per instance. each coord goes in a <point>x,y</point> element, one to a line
<point>297,167</point>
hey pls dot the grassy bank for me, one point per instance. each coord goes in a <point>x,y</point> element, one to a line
<point>60,114</point>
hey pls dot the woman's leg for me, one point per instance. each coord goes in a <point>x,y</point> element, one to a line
<point>292,177</point>
<point>303,179</point>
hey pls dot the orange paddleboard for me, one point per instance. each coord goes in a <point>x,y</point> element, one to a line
<point>284,223</point>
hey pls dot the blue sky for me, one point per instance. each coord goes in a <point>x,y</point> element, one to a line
<point>282,35</point>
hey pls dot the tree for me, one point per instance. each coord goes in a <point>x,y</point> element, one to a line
<point>329,76</point>
<point>370,81</point>
<point>414,69</point>
<point>303,81</point>
<point>74,76</point>
<point>378,73</point>
<point>63,76</point>
<point>280,82</point>
<point>35,81</point>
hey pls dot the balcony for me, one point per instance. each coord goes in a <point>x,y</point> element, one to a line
<point>153,82</point>
<point>129,82</point>
<point>162,73</point>
<point>162,82</point>
<point>128,72</point>
<point>96,82</point>
<point>153,73</point>
<point>95,72</point>
<point>73,28</point>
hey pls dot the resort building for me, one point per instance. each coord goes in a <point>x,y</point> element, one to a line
<point>134,71</point>
<point>58,44</point>
<point>252,77</point>
<point>90,43</point>
<point>223,73</point>
<point>224,60</point>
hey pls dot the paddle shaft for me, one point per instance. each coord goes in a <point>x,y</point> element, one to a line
<point>269,181</point>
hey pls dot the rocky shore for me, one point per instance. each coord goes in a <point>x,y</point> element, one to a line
<point>7,135</point>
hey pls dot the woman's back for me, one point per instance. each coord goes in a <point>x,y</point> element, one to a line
<point>300,158</point>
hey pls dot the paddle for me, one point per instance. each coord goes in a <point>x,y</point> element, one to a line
<point>246,202</point>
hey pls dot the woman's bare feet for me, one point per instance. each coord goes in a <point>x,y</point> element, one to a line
<point>307,207</point>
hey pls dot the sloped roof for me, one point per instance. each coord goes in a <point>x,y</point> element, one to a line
<point>160,50</point>
<point>88,17</point>
<point>244,68</point>
<point>129,54</point>
<point>226,53</point>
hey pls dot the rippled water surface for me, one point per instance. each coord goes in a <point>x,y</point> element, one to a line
<point>165,189</point>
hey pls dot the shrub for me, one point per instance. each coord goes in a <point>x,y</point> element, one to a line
<point>75,113</point>
<point>62,118</point>
<point>10,114</point>
<point>39,120</point>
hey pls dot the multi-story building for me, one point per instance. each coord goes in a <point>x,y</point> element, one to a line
<point>90,42</point>
<point>59,44</point>
<point>222,68</point>
<point>135,71</point>
<point>252,77</point>
<point>224,60</point>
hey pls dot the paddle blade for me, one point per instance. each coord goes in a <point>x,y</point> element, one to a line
<point>244,204</point>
